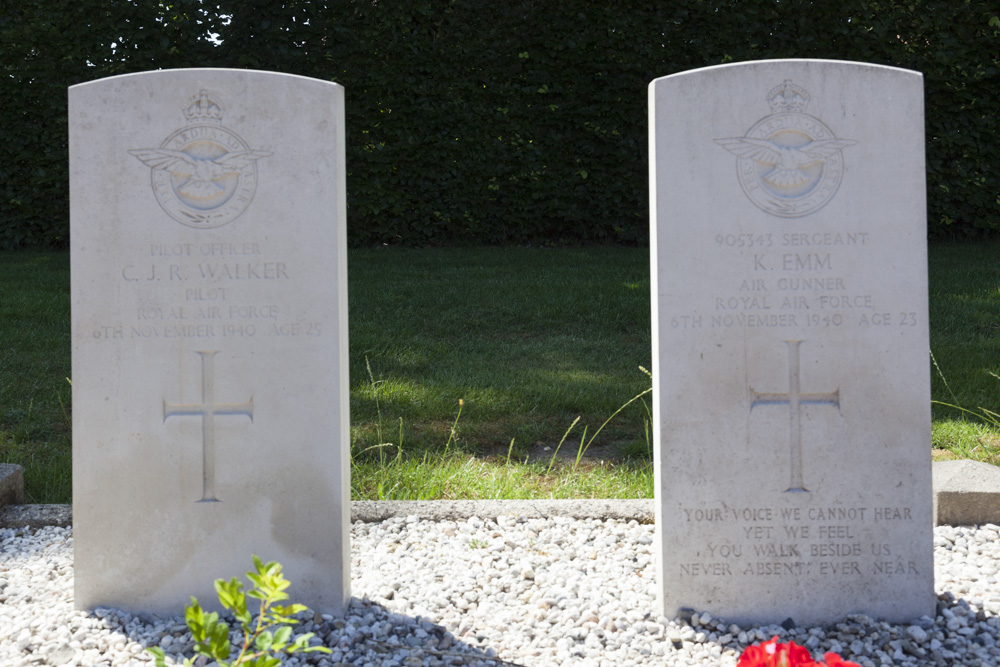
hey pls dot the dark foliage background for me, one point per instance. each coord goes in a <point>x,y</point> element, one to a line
<point>522,121</point>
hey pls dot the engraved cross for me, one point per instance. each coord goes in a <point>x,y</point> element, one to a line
<point>207,410</point>
<point>795,398</point>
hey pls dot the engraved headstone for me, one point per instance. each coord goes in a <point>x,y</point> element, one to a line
<point>209,304</point>
<point>792,384</point>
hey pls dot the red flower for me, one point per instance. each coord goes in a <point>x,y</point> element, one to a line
<point>773,654</point>
<point>834,660</point>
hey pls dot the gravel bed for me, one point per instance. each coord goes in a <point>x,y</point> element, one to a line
<point>499,592</point>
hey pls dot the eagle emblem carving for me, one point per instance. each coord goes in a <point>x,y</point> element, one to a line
<point>789,163</point>
<point>204,175</point>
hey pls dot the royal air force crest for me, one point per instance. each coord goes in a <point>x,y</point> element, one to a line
<point>789,163</point>
<point>204,175</point>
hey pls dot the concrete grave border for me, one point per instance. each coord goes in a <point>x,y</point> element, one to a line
<point>965,493</point>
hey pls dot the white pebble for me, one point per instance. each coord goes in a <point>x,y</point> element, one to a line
<point>536,591</point>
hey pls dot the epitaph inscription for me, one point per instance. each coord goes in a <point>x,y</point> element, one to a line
<point>771,540</point>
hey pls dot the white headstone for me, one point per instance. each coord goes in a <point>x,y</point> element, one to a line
<point>790,342</point>
<point>209,302</point>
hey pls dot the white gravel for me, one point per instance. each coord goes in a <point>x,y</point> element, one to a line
<point>502,591</point>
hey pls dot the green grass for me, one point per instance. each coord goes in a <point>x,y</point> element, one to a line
<point>527,339</point>
<point>965,341</point>
<point>438,476</point>
<point>35,427</point>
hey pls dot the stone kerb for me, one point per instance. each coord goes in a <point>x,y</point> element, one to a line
<point>954,487</point>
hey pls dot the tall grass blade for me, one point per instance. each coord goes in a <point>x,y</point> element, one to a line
<point>552,461</point>
<point>583,448</point>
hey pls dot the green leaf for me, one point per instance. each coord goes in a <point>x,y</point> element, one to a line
<point>301,643</point>
<point>264,641</point>
<point>231,595</point>
<point>289,610</point>
<point>218,639</point>
<point>194,616</point>
<point>158,654</point>
<point>281,636</point>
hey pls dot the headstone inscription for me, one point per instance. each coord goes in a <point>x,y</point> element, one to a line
<point>792,384</point>
<point>209,308</point>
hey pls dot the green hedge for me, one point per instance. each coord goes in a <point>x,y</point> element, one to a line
<point>521,121</point>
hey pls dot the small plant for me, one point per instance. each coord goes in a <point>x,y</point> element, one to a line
<point>272,633</point>
<point>510,449</point>
<point>453,435</point>
<point>376,386</point>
